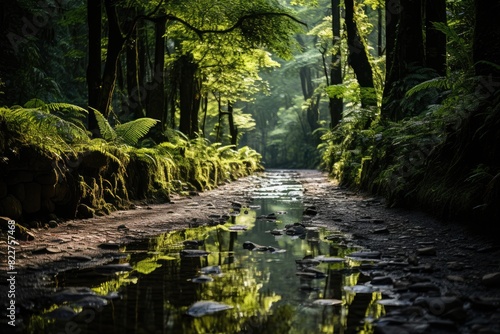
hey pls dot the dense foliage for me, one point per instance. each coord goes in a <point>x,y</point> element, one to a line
<point>397,97</point>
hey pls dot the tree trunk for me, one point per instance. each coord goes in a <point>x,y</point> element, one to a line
<point>188,99</point>
<point>233,130</point>
<point>358,58</point>
<point>435,40</point>
<point>392,17</point>
<point>306,82</point>
<point>94,61</point>
<point>156,95</point>
<point>336,104</point>
<point>486,45</point>
<point>407,54</point>
<point>115,45</point>
<point>133,77</point>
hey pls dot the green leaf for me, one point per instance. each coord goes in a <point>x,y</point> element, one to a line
<point>107,132</point>
<point>132,131</point>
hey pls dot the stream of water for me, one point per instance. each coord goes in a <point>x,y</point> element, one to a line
<point>154,283</point>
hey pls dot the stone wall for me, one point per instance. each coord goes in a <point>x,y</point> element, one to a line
<point>33,184</point>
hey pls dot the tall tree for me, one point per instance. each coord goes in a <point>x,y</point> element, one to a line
<point>406,56</point>
<point>486,45</point>
<point>336,103</point>
<point>94,9</point>
<point>358,57</point>
<point>435,40</point>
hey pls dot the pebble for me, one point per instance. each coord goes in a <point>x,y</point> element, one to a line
<point>427,251</point>
<point>423,287</point>
<point>382,280</point>
<point>455,278</point>
<point>383,230</point>
<point>491,280</point>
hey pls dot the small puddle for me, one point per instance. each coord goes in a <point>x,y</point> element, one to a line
<point>153,284</point>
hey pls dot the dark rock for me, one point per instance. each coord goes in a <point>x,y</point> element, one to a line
<point>32,201</point>
<point>311,272</point>
<point>193,243</point>
<point>49,178</point>
<point>19,176</point>
<point>485,303</point>
<point>456,266</point>
<point>439,305</point>
<point>84,211</point>
<point>52,223</point>
<point>427,251</point>
<point>366,254</point>
<point>310,211</point>
<point>11,207</point>
<point>193,252</point>
<point>382,280</point>
<point>109,245</point>
<point>63,313</point>
<point>383,230</point>
<point>295,229</point>
<point>491,280</point>
<point>423,287</point>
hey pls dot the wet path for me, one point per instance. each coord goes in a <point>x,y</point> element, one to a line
<point>286,252</point>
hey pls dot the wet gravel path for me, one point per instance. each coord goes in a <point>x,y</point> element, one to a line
<point>443,277</point>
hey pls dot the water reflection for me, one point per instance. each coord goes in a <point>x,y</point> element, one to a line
<point>263,289</point>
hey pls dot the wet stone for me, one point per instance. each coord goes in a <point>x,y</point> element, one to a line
<point>109,245</point>
<point>491,280</point>
<point>206,307</point>
<point>455,278</point>
<point>423,287</point>
<point>455,266</point>
<point>427,251</point>
<point>384,230</point>
<point>366,254</point>
<point>382,280</point>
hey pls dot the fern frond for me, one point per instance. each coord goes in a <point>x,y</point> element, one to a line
<point>132,131</point>
<point>107,132</point>
<point>34,103</point>
<point>437,83</point>
<point>51,125</point>
<point>68,112</point>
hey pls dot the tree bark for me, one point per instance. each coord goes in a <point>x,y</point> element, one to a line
<point>486,45</point>
<point>306,82</point>
<point>156,95</point>
<point>233,130</point>
<point>188,99</point>
<point>94,61</point>
<point>133,77</point>
<point>114,48</point>
<point>358,58</point>
<point>435,40</point>
<point>336,104</point>
<point>407,54</point>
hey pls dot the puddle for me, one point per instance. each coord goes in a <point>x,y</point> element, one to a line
<point>156,285</point>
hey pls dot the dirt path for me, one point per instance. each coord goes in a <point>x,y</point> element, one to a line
<point>415,248</point>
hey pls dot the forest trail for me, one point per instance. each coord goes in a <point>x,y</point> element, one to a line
<point>421,257</point>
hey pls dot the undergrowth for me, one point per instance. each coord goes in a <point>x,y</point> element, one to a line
<point>122,165</point>
<point>439,158</point>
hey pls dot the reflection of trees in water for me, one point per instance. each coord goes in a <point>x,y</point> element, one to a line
<point>263,288</point>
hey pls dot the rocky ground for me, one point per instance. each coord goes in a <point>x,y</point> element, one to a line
<point>446,277</point>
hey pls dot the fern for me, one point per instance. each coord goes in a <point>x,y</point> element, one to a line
<point>107,132</point>
<point>436,83</point>
<point>132,131</point>
<point>69,112</point>
<point>127,133</point>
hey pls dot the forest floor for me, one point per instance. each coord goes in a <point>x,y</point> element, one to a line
<point>446,272</point>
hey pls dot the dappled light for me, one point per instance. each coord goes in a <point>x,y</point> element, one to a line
<point>264,166</point>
